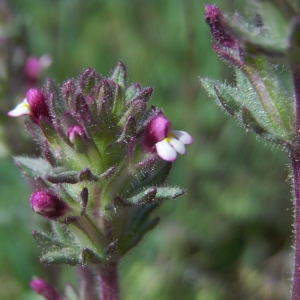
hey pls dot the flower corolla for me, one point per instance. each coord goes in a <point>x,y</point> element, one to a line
<point>165,142</point>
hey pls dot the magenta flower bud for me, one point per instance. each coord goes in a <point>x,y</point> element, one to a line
<point>37,105</point>
<point>44,289</point>
<point>156,130</point>
<point>48,205</point>
<point>212,18</point>
<point>34,66</point>
<point>76,130</point>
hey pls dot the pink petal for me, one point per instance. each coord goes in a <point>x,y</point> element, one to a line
<point>157,129</point>
<point>165,151</point>
<point>182,136</point>
<point>177,145</point>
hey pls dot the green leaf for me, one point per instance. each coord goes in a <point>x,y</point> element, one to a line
<point>132,91</point>
<point>144,197</point>
<point>89,256</point>
<point>148,177</point>
<point>166,193</point>
<point>62,175</point>
<point>257,40</point>
<point>70,256</point>
<point>223,94</point>
<point>46,241</point>
<point>251,123</point>
<point>119,75</point>
<point>155,195</point>
<point>63,234</point>
<point>137,235</point>
<point>130,225</point>
<point>32,167</point>
<point>119,101</point>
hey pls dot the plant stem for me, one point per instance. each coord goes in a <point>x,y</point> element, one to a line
<point>296,176</point>
<point>87,284</point>
<point>296,277</point>
<point>108,281</point>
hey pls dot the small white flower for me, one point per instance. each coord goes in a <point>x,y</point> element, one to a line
<point>174,142</point>
<point>22,109</point>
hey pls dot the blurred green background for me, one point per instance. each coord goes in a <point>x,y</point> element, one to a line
<point>229,237</point>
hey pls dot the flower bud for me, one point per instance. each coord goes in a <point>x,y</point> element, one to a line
<point>212,18</point>
<point>76,130</point>
<point>44,289</point>
<point>48,205</point>
<point>37,104</point>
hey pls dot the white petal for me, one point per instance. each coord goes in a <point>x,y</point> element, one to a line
<point>177,145</point>
<point>21,109</point>
<point>45,61</point>
<point>182,136</point>
<point>165,151</point>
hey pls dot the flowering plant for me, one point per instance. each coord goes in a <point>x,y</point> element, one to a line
<point>263,99</point>
<point>105,159</point>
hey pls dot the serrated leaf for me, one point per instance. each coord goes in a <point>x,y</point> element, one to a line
<point>32,167</point>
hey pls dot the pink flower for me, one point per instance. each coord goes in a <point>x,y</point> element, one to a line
<point>48,205</point>
<point>165,142</point>
<point>34,105</point>
<point>34,66</point>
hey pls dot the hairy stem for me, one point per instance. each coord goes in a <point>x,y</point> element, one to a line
<point>296,176</point>
<point>108,281</point>
<point>87,284</point>
<point>296,276</point>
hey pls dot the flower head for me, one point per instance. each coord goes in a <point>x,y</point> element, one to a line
<point>164,141</point>
<point>48,205</point>
<point>34,105</point>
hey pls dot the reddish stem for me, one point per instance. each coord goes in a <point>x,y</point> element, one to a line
<point>296,176</point>
<point>108,281</point>
<point>296,278</point>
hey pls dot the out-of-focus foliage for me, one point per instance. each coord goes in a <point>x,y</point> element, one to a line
<point>229,237</point>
